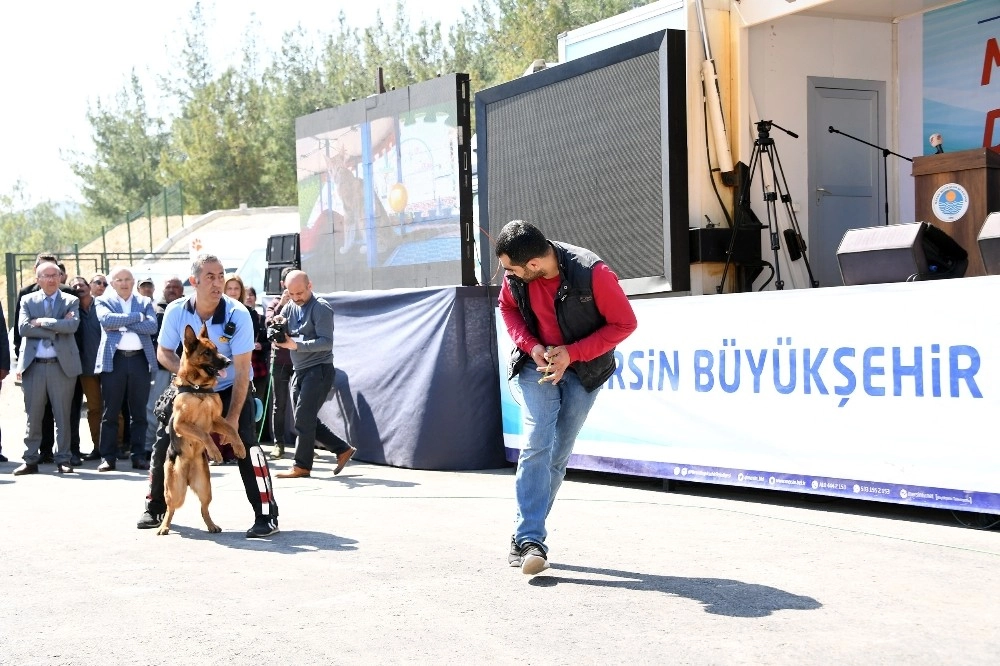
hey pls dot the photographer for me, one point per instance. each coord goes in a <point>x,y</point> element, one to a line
<point>308,335</point>
<point>282,422</point>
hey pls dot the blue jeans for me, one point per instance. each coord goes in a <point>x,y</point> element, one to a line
<point>554,416</point>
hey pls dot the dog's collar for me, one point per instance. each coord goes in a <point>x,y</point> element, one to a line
<point>191,388</point>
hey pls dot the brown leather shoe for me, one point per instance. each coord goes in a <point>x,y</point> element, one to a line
<point>25,468</point>
<point>63,468</point>
<point>295,472</point>
<point>342,459</point>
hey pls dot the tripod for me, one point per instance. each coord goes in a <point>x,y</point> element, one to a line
<point>764,145</point>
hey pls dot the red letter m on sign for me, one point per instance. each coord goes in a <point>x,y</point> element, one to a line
<point>991,59</point>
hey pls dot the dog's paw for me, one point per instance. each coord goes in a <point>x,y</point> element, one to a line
<point>214,453</point>
<point>214,529</point>
<point>162,531</point>
<point>239,450</point>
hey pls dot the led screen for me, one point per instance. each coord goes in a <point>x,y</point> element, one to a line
<point>384,190</point>
<point>594,152</point>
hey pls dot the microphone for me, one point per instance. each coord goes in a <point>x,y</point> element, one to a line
<point>938,142</point>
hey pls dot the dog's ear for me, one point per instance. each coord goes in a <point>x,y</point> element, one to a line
<point>189,337</point>
<point>204,330</point>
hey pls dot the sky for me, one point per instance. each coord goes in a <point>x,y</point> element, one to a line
<point>57,60</point>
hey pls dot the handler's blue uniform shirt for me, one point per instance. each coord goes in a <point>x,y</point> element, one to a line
<point>181,313</point>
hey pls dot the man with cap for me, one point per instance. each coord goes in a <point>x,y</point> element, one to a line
<point>146,287</point>
<point>173,289</point>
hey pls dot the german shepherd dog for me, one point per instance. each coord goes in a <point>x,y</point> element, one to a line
<point>197,413</point>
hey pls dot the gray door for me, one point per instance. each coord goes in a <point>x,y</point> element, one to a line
<point>845,175</point>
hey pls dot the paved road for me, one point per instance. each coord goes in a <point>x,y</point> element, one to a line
<point>385,565</point>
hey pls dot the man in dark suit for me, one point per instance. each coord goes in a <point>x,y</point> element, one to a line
<point>4,365</point>
<point>125,360</point>
<point>49,363</point>
<point>88,339</point>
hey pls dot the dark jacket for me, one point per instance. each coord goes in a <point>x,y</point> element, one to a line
<point>576,312</point>
<point>281,355</point>
<point>88,337</point>
<point>4,343</point>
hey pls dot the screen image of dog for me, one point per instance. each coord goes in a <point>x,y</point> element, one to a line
<point>197,413</point>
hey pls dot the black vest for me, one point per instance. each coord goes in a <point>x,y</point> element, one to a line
<point>576,313</point>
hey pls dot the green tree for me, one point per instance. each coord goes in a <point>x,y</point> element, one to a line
<point>34,228</point>
<point>123,170</point>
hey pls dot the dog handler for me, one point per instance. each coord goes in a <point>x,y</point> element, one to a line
<point>565,312</point>
<point>231,329</point>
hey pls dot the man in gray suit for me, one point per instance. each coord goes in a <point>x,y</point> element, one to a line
<point>49,364</point>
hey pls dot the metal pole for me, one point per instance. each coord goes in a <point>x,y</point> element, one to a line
<point>166,215</point>
<point>12,284</point>
<point>180,192</point>
<point>128,228</point>
<point>149,216</point>
<point>104,248</point>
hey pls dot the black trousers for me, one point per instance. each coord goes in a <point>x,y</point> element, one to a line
<point>252,467</point>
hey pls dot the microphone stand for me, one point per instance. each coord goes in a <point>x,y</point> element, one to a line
<point>885,164</point>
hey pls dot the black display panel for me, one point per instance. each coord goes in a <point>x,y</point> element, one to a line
<point>385,190</point>
<point>594,152</point>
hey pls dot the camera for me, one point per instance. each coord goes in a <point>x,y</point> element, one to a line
<point>277,332</point>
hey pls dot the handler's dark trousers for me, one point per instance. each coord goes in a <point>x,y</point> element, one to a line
<point>310,387</point>
<point>253,468</point>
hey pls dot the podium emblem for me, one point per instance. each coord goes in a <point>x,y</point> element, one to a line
<point>950,202</point>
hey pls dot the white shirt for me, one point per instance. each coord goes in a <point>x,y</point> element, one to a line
<point>130,339</point>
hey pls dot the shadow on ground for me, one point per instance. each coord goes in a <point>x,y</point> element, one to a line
<point>285,542</point>
<point>719,596</point>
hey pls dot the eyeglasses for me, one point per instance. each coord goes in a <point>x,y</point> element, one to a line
<point>50,276</point>
<point>100,282</point>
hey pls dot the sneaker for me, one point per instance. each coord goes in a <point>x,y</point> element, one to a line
<point>149,520</point>
<point>277,451</point>
<point>263,526</point>
<point>533,559</point>
<point>3,458</point>
<point>514,558</point>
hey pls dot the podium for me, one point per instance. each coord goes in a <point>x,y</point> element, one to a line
<point>978,171</point>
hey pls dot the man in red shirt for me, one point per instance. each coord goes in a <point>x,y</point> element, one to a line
<point>565,312</point>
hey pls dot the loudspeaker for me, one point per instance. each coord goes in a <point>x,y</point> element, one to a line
<point>989,244</point>
<point>272,277</point>
<point>283,249</point>
<point>899,253</point>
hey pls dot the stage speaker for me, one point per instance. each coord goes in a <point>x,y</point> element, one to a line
<point>899,253</point>
<point>272,277</point>
<point>989,244</point>
<point>283,249</point>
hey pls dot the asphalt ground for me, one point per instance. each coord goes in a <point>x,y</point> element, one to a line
<point>396,566</point>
